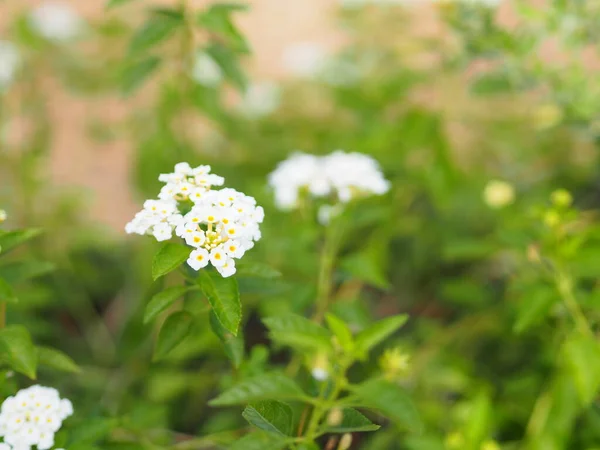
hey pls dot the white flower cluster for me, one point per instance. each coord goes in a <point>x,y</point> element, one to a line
<point>345,176</point>
<point>32,417</point>
<point>220,225</point>
<point>9,63</point>
<point>56,21</point>
<point>206,71</point>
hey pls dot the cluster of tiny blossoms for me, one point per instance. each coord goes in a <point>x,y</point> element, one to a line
<point>32,417</point>
<point>344,176</point>
<point>220,225</point>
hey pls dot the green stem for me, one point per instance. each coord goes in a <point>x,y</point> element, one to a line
<point>564,284</point>
<point>2,314</point>
<point>328,253</point>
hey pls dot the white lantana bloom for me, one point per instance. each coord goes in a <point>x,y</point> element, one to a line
<point>9,63</point>
<point>344,176</point>
<point>260,99</point>
<point>206,71</point>
<point>219,225</point>
<point>305,59</point>
<point>56,21</point>
<point>32,417</point>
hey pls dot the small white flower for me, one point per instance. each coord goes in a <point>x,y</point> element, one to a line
<point>260,99</point>
<point>9,63</point>
<point>56,21</point>
<point>206,71</point>
<point>198,259</point>
<point>319,374</point>
<point>3,216</point>
<point>162,232</point>
<point>227,269</point>
<point>218,257</point>
<point>305,59</point>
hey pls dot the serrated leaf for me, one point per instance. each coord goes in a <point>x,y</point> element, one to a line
<point>341,332</point>
<point>581,356</point>
<point>134,74</point>
<point>20,271</point>
<point>224,298</point>
<point>298,332</point>
<point>352,422</point>
<point>155,30</point>
<point>259,441</point>
<point>15,341</point>
<point>229,63</point>
<point>391,400</point>
<point>256,270</point>
<point>233,345</point>
<point>7,294</point>
<point>12,239</point>
<point>175,329</point>
<point>270,416</point>
<point>56,359</point>
<point>169,257</point>
<point>162,301</point>
<point>269,386</point>
<point>378,332</point>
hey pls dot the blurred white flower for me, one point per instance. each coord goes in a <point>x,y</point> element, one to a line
<point>219,225</point>
<point>343,175</point>
<point>206,71</point>
<point>56,21</point>
<point>9,63</point>
<point>304,59</point>
<point>260,99</point>
<point>498,194</point>
<point>32,417</point>
<point>341,72</point>
<point>3,216</point>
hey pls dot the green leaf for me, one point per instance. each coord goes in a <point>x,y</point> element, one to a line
<point>20,271</point>
<point>298,332</point>
<point>229,6</point>
<point>56,359</point>
<point>12,239</point>
<point>228,61</point>
<point>256,270</point>
<point>391,400</point>
<point>156,29</point>
<point>113,3</point>
<point>16,343</point>
<point>7,294</point>
<point>162,301</point>
<point>352,422</point>
<point>534,307</point>
<point>376,333</point>
<point>175,329</point>
<point>271,416</point>
<point>341,332</point>
<point>218,21</point>
<point>581,356</point>
<point>365,266</point>
<point>262,387</point>
<point>491,83</point>
<point>169,257</point>
<point>136,73</point>
<point>224,298</point>
<point>259,441</point>
<point>234,345</point>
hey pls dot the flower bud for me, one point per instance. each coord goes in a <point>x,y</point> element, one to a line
<point>561,198</point>
<point>320,367</point>
<point>345,442</point>
<point>394,362</point>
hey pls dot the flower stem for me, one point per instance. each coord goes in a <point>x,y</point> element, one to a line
<point>564,284</point>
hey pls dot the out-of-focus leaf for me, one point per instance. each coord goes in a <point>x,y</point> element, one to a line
<point>162,301</point>
<point>270,416</point>
<point>136,73</point>
<point>581,355</point>
<point>216,19</point>
<point>156,29</point>
<point>175,329</point>
<point>256,270</point>
<point>15,342</point>
<point>391,400</point>
<point>234,345</point>
<point>298,332</point>
<point>352,422</point>
<point>341,332</point>
<point>533,308</point>
<point>168,258</point>
<point>56,359</point>
<point>491,83</point>
<point>7,294</point>
<point>20,271</point>
<point>376,333</point>
<point>229,63</point>
<point>366,267</point>
<point>224,298</point>
<point>259,441</point>
<point>268,386</point>
<point>12,239</point>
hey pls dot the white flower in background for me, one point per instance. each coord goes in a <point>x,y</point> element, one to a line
<point>9,63</point>
<point>305,59</point>
<point>3,216</point>
<point>206,71</point>
<point>219,225</point>
<point>32,417</point>
<point>498,194</point>
<point>56,21</point>
<point>341,72</point>
<point>260,99</point>
<point>343,175</point>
